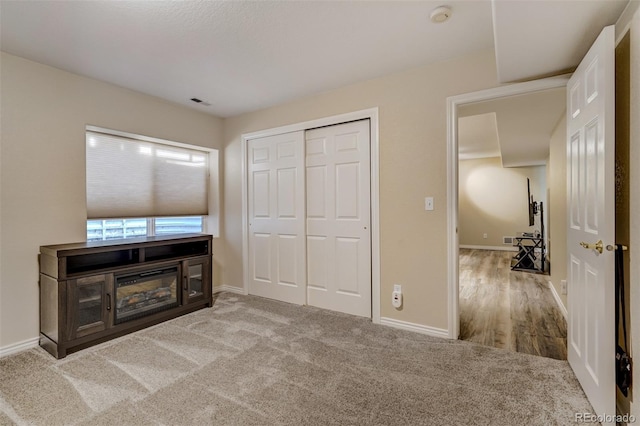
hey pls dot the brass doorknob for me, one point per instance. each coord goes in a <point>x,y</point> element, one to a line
<point>597,246</point>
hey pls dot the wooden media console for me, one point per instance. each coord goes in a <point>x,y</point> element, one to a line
<point>95,291</point>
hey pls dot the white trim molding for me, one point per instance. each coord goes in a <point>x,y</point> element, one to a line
<point>498,248</point>
<point>19,347</point>
<point>230,289</point>
<point>623,24</point>
<point>453,103</point>
<point>558,300</point>
<point>416,328</point>
<point>370,114</point>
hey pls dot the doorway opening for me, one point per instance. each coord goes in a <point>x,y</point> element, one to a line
<point>501,233</point>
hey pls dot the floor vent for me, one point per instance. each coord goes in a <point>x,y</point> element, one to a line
<point>507,240</point>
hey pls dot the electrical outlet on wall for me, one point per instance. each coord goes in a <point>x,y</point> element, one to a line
<point>396,296</point>
<point>484,235</point>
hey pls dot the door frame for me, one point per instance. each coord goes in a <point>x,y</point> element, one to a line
<point>453,102</point>
<point>372,115</point>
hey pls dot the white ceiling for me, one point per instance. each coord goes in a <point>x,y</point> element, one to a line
<point>246,55</point>
<point>525,124</point>
<point>478,136</point>
<point>237,55</point>
<point>547,37</point>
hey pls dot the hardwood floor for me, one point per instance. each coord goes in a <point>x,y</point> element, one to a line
<point>508,309</point>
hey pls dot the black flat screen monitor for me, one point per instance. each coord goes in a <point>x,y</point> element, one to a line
<point>531,203</point>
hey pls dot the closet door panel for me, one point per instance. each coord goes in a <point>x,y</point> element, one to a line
<point>276,198</point>
<point>338,192</point>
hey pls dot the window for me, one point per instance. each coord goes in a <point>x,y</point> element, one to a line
<point>139,186</point>
<point>114,229</point>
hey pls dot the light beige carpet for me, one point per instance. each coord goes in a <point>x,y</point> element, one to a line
<point>252,361</point>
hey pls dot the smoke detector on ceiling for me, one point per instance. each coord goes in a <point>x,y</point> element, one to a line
<point>440,14</point>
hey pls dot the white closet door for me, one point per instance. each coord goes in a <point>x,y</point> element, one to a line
<point>276,217</point>
<point>338,218</point>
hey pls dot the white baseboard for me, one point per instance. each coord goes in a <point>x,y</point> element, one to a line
<point>500,248</point>
<point>230,289</point>
<point>558,300</point>
<point>417,328</point>
<point>19,347</point>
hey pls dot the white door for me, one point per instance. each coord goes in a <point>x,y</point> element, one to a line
<point>590,209</point>
<point>276,217</point>
<point>338,218</point>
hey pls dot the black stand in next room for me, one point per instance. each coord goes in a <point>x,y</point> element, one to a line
<point>531,245</point>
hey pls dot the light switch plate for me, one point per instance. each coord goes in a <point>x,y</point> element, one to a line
<point>428,203</point>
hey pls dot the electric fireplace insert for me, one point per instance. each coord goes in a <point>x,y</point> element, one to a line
<point>145,293</point>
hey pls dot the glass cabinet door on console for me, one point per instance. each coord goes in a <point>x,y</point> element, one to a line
<point>89,304</point>
<point>195,280</point>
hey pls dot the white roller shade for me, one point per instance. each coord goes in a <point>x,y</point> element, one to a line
<point>135,178</point>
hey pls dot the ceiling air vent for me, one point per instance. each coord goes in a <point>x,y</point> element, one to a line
<point>200,101</point>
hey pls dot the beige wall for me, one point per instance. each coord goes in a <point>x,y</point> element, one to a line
<point>44,113</point>
<point>634,172</point>
<point>493,199</point>
<point>413,144</point>
<point>557,209</point>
